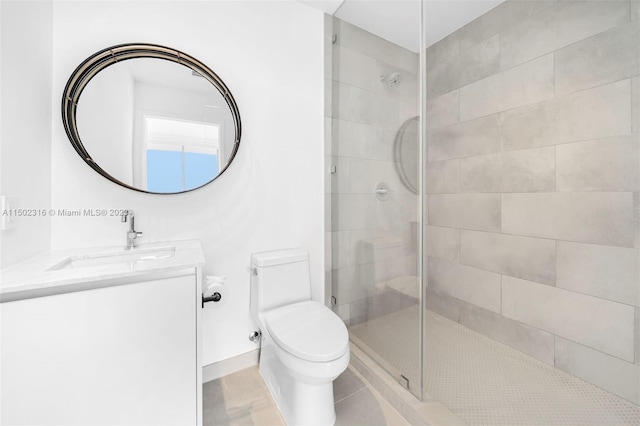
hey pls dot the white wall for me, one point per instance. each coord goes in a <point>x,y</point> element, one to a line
<point>25,129</point>
<point>270,56</point>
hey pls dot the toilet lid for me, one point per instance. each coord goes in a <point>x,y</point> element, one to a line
<point>309,331</point>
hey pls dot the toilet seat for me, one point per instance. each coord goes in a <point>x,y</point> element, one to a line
<point>308,330</point>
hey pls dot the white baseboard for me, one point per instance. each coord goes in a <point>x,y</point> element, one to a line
<point>230,365</point>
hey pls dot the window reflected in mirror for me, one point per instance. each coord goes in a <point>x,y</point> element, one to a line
<point>179,154</point>
<point>152,124</point>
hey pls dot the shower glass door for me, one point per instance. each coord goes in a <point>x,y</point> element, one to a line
<point>374,167</point>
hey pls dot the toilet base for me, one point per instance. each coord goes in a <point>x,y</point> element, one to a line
<point>299,403</point>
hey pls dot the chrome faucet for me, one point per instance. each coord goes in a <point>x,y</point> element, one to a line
<point>132,234</point>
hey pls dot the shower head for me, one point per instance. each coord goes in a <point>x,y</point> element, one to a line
<point>391,80</point>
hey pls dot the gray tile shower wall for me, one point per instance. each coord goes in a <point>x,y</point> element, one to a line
<point>533,183</point>
<point>372,241</point>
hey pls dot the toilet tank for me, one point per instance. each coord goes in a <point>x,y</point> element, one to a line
<point>279,278</point>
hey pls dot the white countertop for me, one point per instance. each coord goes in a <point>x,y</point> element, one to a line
<point>32,277</point>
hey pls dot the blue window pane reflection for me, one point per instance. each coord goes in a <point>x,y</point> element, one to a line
<point>164,171</point>
<point>199,169</point>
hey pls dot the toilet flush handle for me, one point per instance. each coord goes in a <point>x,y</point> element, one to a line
<point>255,336</point>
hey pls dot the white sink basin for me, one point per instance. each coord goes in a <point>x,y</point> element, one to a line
<point>127,258</point>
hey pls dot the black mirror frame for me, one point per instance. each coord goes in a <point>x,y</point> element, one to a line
<point>111,55</point>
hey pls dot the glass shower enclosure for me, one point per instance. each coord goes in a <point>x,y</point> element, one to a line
<point>483,202</point>
<point>375,171</point>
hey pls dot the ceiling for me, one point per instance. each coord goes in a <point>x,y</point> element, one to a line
<point>168,74</point>
<point>399,20</point>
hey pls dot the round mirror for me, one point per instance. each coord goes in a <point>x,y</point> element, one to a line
<point>151,118</point>
<point>406,154</point>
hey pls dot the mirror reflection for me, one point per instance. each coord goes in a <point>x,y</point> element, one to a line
<point>155,125</point>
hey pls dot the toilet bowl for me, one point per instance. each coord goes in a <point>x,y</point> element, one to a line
<point>304,345</point>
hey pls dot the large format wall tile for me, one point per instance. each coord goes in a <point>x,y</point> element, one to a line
<point>637,326</point>
<point>340,182</point>
<point>600,112</point>
<point>365,174</point>
<point>498,19</point>
<point>348,285</point>
<point>384,144</point>
<point>378,248</point>
<point>362,41</point>
<point>636,219</point>
<point>595,113</point>
<point>353,211</point>
<point>442,78</point>
<point>635,103</point>
<point>609,373</point>
<point>604,58</point>
<point>356,139</point>
<point>442,111</point>
<point>443,51</point>
<point>390,269</point>
<point>479,61</point>
<point>548,146</point>
<point>396,213</point>
<point>530,340</point>
<point>467,211</point>
<point>357,237</point>
<point>384,111</point>
<point>405,59</point>
<point>354,68</point>
<point>353,103</point>
<point>350,36</point>
<point>442,243</point>
<point>522,85</point>
<point>475,286</point>
<point>597,323</point>
<point>471,65</point>
<point>554,27</point>
<point>602,165</point>
<point>530,126</point>
<point>442,177</point>
<point>591,217</point>
<point>530,170</point>
<point>443,304</point>
<point>475,137</point>
<point>481,174</point>
<point>612,273</point>
<point>339,249</point>
<point>533,259</point>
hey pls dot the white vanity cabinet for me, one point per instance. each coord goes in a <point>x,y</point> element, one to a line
<point>125,351</point>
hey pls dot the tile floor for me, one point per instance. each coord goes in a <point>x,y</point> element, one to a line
<point>484,382</point>
<point>469,379</point>
<point>242,398</point>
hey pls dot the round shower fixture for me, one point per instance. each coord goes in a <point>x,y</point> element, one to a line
<point>391,80</point>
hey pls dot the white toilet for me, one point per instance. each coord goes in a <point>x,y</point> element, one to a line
<point>305,346</point>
